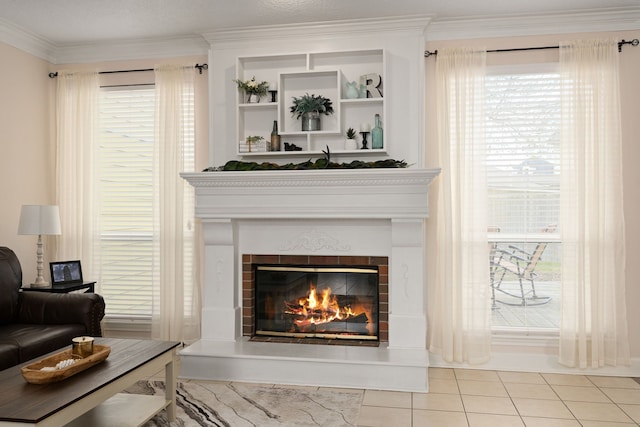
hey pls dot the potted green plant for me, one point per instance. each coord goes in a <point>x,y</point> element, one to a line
<point>253,88</point>
<point>309,108</point>
<point>350,143</point>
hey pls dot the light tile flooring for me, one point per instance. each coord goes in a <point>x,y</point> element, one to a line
<point>476,398</point>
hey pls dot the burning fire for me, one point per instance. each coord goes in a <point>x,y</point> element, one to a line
<point>317,311</point>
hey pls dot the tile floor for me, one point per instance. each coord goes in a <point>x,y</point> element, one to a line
<point>476,398</point>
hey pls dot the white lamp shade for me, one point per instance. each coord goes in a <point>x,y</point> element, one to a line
<point>39,219</point>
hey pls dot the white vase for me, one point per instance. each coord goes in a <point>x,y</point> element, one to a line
<point>350,144</point>
<point>253,98</point>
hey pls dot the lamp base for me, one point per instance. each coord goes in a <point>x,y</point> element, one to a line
<point>40,283</point>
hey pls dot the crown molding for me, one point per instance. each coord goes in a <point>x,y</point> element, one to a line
<point>317,30</point>
<point>132,50</point>
<point>596,20</point>
<point>28,42</point>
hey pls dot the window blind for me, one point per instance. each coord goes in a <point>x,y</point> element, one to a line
<point>126,204</point>
<point>523,151</point>
<point>523,175</point>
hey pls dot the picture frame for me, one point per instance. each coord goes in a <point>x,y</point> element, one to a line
<point>64,272</point>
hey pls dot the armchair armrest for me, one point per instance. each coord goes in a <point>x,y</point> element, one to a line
<point>48,308</point>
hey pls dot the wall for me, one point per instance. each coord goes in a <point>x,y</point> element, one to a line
<point>27,152</point>
<point>27,142</point>
<point>630,103</point>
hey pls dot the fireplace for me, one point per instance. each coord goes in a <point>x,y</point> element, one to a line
<point>321,302</point>
<point>328,218</point>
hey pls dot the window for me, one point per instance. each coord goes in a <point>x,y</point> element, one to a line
<point>523,174</point>
<point>126,215</point>
<point>125,172</point>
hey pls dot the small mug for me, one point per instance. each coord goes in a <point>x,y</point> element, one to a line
<point>82,346</point>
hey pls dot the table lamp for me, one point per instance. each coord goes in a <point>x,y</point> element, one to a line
<point>39,220</point>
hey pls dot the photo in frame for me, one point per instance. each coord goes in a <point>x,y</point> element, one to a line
<point>65,272</point>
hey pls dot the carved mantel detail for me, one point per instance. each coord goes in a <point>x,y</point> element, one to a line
<point>314,241</point>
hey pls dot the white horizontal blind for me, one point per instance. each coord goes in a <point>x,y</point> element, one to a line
<point>523,175</point>
<point>126,218</point>
<point>523,143</point>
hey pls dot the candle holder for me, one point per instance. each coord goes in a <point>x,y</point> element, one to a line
<point>273,95</point>
<point>364,140</point>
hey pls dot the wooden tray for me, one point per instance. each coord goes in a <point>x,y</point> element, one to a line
<point>34,375</point>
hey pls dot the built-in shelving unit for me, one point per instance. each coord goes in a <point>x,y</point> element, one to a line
<point>319,73</point>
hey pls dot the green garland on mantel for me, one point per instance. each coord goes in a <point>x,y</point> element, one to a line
<point>322,163</point>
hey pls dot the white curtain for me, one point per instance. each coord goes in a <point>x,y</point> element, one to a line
<point>77,191</point>
<point>593,330</point>
<point>459,303</point>
<point>176,313</point>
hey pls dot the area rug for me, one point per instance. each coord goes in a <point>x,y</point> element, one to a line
<point>205,403</point>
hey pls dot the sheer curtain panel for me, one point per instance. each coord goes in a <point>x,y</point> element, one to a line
<point>175,313</point>
<point>459,304</point>
<point>593,330</point>
<point>76,124</point>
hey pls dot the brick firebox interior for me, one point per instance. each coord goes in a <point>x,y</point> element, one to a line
<point>248,297</point>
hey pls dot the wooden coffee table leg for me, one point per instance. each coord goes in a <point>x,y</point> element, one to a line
<point>170,389</point>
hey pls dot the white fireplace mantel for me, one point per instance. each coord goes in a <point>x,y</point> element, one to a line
<point>374,212</point>
<point>328,193</point>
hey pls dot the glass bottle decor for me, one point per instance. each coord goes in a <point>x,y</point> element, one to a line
<point>376,134</point>
<point>275,138</point>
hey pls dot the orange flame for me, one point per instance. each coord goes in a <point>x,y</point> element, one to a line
<point>311,311</point>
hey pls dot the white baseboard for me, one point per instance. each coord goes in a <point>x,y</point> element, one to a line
<point>521,360</point>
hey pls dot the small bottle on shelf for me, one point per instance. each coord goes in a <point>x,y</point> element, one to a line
<point>376,134</point>
<point>275,138</point>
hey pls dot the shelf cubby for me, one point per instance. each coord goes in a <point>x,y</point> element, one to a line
<point>318,73</point>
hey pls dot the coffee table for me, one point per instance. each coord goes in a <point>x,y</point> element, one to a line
<point>92,397</point>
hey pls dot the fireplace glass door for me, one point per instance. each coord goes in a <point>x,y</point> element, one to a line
<point>331,302</point>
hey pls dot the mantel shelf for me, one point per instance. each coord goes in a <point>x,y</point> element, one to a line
<point>329,193</point>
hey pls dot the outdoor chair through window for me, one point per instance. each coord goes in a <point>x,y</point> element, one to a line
<point>518,263</point>
<point>493,247</point>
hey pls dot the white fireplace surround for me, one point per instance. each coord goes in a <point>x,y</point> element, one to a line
<point>362,212</point>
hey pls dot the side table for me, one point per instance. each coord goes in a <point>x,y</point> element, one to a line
<point>89,287</point>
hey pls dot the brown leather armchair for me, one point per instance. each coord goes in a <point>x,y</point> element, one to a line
<point>36,323</point>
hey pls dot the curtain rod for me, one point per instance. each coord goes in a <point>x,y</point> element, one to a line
<point>200,67</point>
<point>621,43</point>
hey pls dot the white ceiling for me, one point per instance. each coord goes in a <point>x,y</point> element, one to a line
<point>69,22</point>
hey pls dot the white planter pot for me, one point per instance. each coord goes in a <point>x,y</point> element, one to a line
<point>350,144</point>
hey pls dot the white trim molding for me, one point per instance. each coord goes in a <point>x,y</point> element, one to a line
<point>133,49</point>
<point>191,45</point>
<point>325,193</point>
<point>231,37</point>
<point>596,20</point>
<point>534,352</point>
<point>28,42</point>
